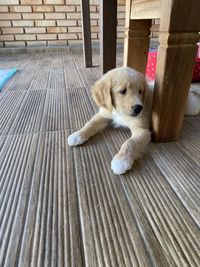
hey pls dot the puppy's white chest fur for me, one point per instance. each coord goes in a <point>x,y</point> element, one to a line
<point>119,119</point>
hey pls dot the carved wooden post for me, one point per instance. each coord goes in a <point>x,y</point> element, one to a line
<point>179,28</point>
<point>136,41</point>
<point>136,44</point>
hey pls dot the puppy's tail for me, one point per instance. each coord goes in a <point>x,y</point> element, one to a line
<point>193,103</point>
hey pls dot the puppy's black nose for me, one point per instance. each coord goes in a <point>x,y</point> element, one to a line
<point>137,109</point>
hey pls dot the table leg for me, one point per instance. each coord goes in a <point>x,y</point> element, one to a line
<point>108,32</point>
<point>136,44</point>
<point>176,56</point>
<point>87,47</point>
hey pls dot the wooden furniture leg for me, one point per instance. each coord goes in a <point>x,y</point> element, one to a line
<point>179,28</point>
<point>108,33</point>
<point>87,47</point>
<point>136,43</point>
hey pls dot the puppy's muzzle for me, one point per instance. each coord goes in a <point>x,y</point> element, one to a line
<point>136,110</point>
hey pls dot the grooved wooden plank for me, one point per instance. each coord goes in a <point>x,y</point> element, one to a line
<point>15,186</point>
<point>55,114</point>
<point>56,75</point>
<point>25,78</point>
<point>39,211</point>
<point>110,233</point>
<point>165,215</point>
<point>77,53</point>
<point>87,76</point>
<point>72,77</point>
<point>81,108</point>
<point>9,108</point>
<point>40,80</point>
<point>62,206</point>
<point>159,211</point>
<point>182,173</point>
<point>29,116</point>
<point>13,61</point>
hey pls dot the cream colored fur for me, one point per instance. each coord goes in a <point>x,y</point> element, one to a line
<point>117,107</point>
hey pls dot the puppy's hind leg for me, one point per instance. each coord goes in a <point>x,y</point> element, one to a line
<point>94,125</point>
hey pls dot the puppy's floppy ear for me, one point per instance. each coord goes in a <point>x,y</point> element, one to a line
<point>101,93</point>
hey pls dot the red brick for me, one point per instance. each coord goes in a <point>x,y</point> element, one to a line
<point>74,42</point>
<point>94,35</point>
<point>94,15</point>
<point>20,9</point>
<point>9,2</point>
<point>67,36</point>
<point>24,37</point>
<point>35,30</point>
<point>121,8</point>
<point>121,22</point>
<point>65,8</point>
<point>74,16</point>
<point>121,2</point>
<point>33,16</point>
<point>45,23</point>
<point>21,23</point>
<point>46,36</point>
<point>72,2</point>
<point>57,43</point>
<point>56,29</point>
<point>12,30</point>
<point>120,35</point>
<point>31,2</point>
<point>74,29</point>
<point>54,2</point>
<point>66,22</point>
<point>9,16</point>
<point>3,9</point>
<point>4,37</point>
<point>94,28</point>
<point>36,43</point>
<point>15,44</point>
<point>54,15</point>
<point>120,29</point>
<point>121,15</point>
<point>94,2</point>
<point>43,8</point>
<point>5,23</point>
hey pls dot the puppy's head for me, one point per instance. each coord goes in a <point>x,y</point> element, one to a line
<point>122,89</point>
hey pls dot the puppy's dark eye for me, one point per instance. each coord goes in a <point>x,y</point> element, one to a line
<point>123,92</point>
<point>140,91</point>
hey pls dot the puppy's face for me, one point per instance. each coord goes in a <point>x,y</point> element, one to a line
<point>122,89</point>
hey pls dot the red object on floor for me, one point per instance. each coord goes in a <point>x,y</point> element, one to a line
<point>151,66</point>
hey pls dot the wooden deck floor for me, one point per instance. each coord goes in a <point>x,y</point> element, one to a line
<point>62,206</point>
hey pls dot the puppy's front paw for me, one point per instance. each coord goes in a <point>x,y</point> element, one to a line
<point>76,139</point>
<point>121,164</point>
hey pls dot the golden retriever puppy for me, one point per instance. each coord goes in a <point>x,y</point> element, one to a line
<point>120,96</point>
<point>124,98</point>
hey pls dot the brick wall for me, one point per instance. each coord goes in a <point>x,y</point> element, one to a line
<point>48,22</point>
